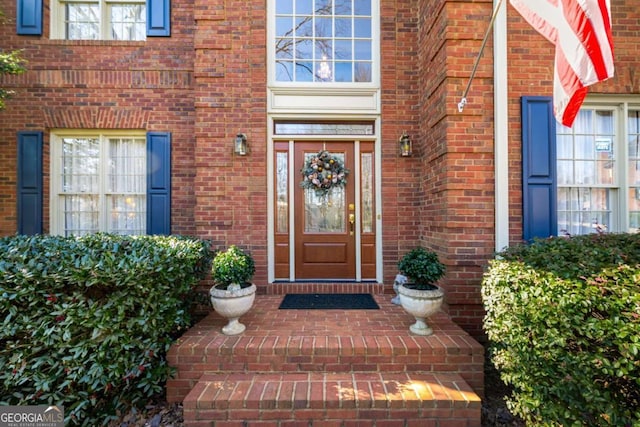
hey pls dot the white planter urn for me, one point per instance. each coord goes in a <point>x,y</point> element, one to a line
<point>420,304</point>
<point>231,304</point>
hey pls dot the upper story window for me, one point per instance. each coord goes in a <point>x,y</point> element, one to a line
<point>324,41</point>
<point>98,183</point>
<point>99,20</point>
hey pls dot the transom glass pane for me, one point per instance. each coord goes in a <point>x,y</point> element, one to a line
<point>323,41</point>
<point>292,128</point>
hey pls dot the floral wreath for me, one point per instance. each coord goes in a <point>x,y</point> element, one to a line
<point>323,172</point>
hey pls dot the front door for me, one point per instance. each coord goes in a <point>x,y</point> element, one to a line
<point>324,224</point>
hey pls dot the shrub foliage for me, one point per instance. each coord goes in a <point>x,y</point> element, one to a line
<point>87,322</point>
<point>563,318</point>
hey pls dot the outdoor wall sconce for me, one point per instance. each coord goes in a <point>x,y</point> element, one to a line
<point>406,146</point>
<point>240,144</point>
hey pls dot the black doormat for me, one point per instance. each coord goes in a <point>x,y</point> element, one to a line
<point>328,302</point>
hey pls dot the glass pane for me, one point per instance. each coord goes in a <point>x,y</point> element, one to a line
<point>284,26</point>
<point>366,163</point>
<point>284,49</point>
<point>284,128</point>
<point>304,72</point>
<point>325,213</point>
<point>343,50</point>
<point>80,165</point>
<point>362,7</point>
<point>282,192</point>
<point>584,210</point>
<point>127,166</point>
<point>564,146</point>
<point>304,49</point>
<point>284,71</point>
<point>604,122</point>
<point>127,215</point>
<point>585,173</point>
<point>284,6</point>
<point>343,27</point>
<point>343,7</point>
<point>634,209</point>
<point>362,27</point>
<point>363,50</point>
<point>304,27</point>
<point>633,147</point>
<point>304,7</point>
<point>324,7</point>
<point>324,27</point>
<point>362,72</point>
<point>324,49</point>
<point>344,72</point>
<point>81,215</point>
<point>82,21</point>
<point>128,22</point>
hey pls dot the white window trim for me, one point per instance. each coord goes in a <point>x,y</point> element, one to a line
<point>620,107</point>
<point>57,18</point>
<point>56,218</point>
<point>321,97</point>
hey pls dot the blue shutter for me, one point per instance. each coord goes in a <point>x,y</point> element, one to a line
<point>158,18</point>
<point>159,183</point>
<point>29,183</point>
<point>29,17</point>
<point>539,203</point>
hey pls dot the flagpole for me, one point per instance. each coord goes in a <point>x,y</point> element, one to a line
<point>463,101</point>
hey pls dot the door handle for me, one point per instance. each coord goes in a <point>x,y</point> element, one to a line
<point>352,221</point>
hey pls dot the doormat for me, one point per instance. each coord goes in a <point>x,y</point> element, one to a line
<point>328,302</point>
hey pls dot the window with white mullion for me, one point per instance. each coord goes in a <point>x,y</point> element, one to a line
<point>99,19</point>
<point>101,184</point>
<point>588,173</point>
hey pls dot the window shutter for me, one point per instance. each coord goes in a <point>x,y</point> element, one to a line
<point>158,18</point>
<point>159,183</point>
<point>539,203</point>
<point>29,183</point>
<point>29,17</point>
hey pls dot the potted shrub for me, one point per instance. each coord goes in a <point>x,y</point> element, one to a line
<point>419,295</point>
<point>232,294</point>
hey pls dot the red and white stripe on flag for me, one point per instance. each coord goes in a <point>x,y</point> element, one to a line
<point>581,33</point>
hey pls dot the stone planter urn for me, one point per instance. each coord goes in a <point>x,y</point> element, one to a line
<point>420,303</point>
<point>231,303</point>
<point>233,293</point>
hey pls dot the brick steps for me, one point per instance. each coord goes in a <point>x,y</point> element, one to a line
<point>294,368</point>
<point>400,399</point>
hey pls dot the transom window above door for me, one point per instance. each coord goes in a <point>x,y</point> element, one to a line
<point>321,41</point>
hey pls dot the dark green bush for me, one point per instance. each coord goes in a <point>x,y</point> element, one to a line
<point>563,318</point>
<point>87,322</point>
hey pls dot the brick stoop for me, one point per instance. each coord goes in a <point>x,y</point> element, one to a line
<point>327,368</point>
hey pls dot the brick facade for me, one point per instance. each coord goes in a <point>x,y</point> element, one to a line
<point>207,82</point>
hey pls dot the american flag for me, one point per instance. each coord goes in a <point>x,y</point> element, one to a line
<point>581,33</point>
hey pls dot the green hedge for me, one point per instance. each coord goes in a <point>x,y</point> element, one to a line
<point>563,318</point>
<point>87,322</point>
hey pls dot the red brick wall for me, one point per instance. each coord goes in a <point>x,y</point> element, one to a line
<point>207,82</point>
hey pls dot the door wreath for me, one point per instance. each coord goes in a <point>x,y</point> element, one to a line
<point>322,172</point>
